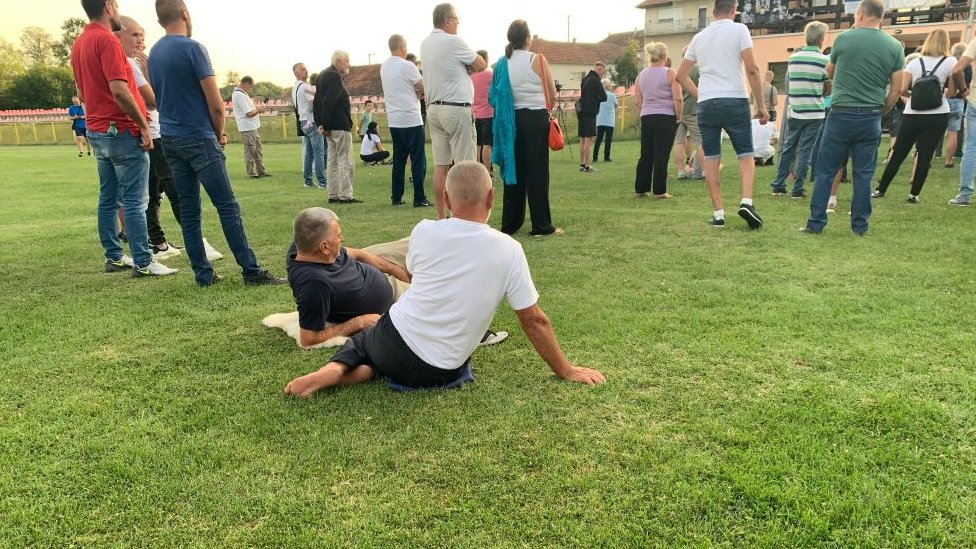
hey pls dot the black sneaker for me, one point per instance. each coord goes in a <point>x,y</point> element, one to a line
<point>424,204</point>
<point>264,278</point>
<point>214,280</point>
<point>398,202</point>
<point>779,192</point>
<point>798,194</point>
<point>350,201</point>
<point>309,186</point>
<point>334,201</point>
<point>749,213</point>
<point>717,222</point>
<point>807,230</point>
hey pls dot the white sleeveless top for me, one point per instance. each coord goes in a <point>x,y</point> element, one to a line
<point>526,84</point>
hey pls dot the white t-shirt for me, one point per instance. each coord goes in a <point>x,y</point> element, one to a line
<point>461,270</point>
<point>400,78</point>
<point>368,146</point>
<point>446,57</point>
<point>762,137</point>
<point>242,106</point>
<point>302,94</point>
<point>140,82</point>
<point>945,69</point>
<point>718,51</point>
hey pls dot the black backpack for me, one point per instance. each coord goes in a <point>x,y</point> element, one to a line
<point>927,89</point>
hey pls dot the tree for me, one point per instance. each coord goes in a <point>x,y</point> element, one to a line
<point>36,44</point>
<point>267,89</point>
<point>11,65</point>
<point>70,30</point>
<point>232,79</point>
<point>41,88</point>
<point>626,68</point>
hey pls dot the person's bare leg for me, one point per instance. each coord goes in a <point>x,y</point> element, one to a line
<point>79,141</point>
<point>486,157</point>
<point>440,182</point>
<point>121,216</point>
<point>952,141</point>
<point>679,158</point>
<point>836,184</point>
<point>330,375</point>
<point>714,184</point>
<point>747,174</point>
<point>700,157</point>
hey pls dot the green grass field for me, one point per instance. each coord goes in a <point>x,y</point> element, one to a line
<point>765,388</point>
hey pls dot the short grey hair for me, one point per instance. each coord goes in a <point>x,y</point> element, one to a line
<point>339,54</point>
<point>815,31</point>
<point>958,49</point>
<point>441,13</point>
<point>312,226</point>
<point>395,42</point>
<point>871,8</point>
<point>468,182</point>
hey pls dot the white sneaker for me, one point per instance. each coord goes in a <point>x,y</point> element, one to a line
<point>831,208</point>
<point>169,252</point>
<point>212,253</point>
<point>153,269</point>
<point>122,264</point>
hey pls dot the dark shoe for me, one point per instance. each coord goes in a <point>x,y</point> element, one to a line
<point>309,186</point>
<point>264,278</point>
<point>912,199</point>
<point>607,160</point>
<point>877,194</point>
<point>334,201</point>
<point>350,201</point>
<point>398,202</point>
<point>266,174</point>
<point>779,192</point>
<point>716,222</point>
<point>124,263</point>
<point>323,186</point>
<point>798,194</point>
<point>425,204</point>
<point>749,213</point>
<point>807,230</point>
<point>254,176</point>
<point>216,278</point>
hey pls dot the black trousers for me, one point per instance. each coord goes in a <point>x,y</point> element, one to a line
<point>657,140</point>
<point>602,131</point>
<point>383,349</point>
<point>531,174</point>
<point>377,156</point>
<point>923,131</point>
<point>160,181</point>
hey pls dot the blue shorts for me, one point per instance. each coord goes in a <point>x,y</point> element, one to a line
<point>955,115</point>
<point>731,114</point>
<point>79,132</point>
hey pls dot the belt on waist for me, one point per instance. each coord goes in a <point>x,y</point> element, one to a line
<point>841,108</point>
<point>451,104</point>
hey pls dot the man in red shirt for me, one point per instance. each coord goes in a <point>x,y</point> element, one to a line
<point>119,135</point>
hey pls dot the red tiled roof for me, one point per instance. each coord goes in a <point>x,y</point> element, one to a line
<point>364,80</point>
<point>653,4</point>
<point>623,38</point>
<point>576,53</point>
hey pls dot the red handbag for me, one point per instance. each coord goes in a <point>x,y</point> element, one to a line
<point>556,140</point>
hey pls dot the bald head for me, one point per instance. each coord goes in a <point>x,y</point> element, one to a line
<point>468,184</point>
<point>312,226</point>
<point>132,36</point>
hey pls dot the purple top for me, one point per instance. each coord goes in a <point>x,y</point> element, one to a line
<point>656,91</point>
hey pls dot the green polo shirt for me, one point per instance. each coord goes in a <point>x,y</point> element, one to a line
<point>864,59</point>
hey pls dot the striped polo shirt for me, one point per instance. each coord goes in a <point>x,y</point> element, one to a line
<point>806,73</point>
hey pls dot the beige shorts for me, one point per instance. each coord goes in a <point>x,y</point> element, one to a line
<point>688,130</point>
<point>452,134</point>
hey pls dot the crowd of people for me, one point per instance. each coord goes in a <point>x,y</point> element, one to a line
<point>415,310</point>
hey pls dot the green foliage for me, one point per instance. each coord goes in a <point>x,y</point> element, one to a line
<point>267,89</point>
<point>626,67</point>
<point>41,88</point>
<point>37,45</point>
<point>11,64</point>
<point>70,30</point>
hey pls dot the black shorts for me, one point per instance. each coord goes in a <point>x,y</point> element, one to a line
<point>79,132</point>
<point>483,127</point>
<point>587,125</point>
<point>382,349</point>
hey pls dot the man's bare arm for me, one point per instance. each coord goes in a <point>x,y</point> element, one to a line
<point>683,77</point>
<point>478,64</point>
<point>307,338</point>
<point>215,107</point>
<point>755,83</point>
<point>896,87</point>
<point>538,329</point>
<point>125,100</point>
<point>148,96</point>
<point>387,267</point>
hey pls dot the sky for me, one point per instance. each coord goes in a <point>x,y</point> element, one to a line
<point>264,39</point>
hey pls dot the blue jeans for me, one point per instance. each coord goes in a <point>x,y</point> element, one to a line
<point>313,154</point>
<point>955,114</point>
<point>967,171</point>
<point>798,145</point>
<point>196,162</point>
<point>409,142</point>
<point>123,176</point>
<point>731,114</point>
<point>857,130</point>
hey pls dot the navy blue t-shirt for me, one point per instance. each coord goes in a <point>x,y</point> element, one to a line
<point>77,123</point>
<point>176,66</point>
<point>336,292</point>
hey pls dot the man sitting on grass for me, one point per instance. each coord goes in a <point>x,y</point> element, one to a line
<point>340,290</point>
<point>428,336</point>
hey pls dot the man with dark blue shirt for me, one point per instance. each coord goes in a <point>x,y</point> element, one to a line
<point>191,115</point>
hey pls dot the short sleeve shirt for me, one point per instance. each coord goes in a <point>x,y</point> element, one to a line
<point>303,94</point>
<point>336,292</point>
<point>97,59</point>
<point>243,105</point>
<point>718,51</point>
<point>945,70</point>
<point>177,64</point>
<point>446,57</point>
<point>864,60</point>
<point>369,143</point>
<point>77,110</point>
<point>481,81</point>
<point>400,78</point>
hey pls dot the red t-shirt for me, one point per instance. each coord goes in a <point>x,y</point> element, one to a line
<point>97,59</point>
